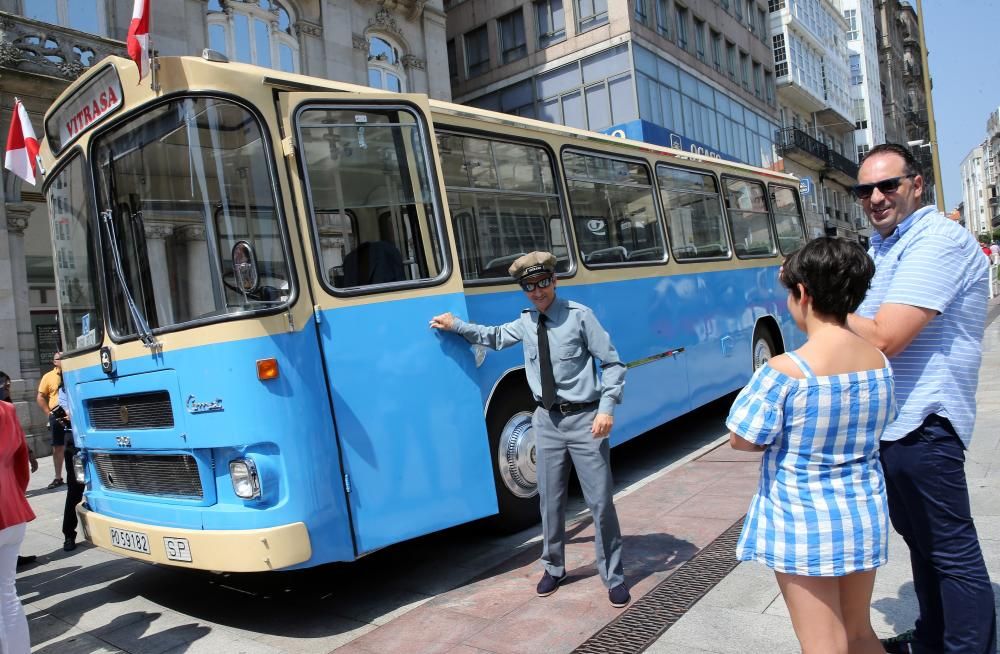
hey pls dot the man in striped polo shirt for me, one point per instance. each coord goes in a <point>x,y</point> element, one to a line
<point>926,310</point>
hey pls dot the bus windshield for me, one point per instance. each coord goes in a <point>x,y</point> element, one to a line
<point>178,188</point>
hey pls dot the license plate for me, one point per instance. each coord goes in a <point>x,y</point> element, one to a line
<point>130,540</point>
<point>177,549</point>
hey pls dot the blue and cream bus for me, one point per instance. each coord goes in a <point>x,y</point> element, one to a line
<point>247,261</point>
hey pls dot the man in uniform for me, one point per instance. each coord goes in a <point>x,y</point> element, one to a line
<point>47,400</point>
<point>574,414</point>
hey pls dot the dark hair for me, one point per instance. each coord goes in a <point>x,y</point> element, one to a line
<point>836,273</point>
<point>911,163</point>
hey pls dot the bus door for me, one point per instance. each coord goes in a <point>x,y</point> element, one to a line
<point>407,408</point>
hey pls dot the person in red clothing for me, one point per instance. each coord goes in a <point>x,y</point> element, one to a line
<point>15,513</point>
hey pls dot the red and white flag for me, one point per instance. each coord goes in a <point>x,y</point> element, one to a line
<point>22,146</point>
<point>138,37</point>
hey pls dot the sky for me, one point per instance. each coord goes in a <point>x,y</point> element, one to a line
<point>964,58</point>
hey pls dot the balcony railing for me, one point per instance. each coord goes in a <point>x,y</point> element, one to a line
<point>792,138</point>
<point>40,48</point>
<point>839,162</point>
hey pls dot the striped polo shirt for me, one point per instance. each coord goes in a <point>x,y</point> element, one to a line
<point>933,263</point>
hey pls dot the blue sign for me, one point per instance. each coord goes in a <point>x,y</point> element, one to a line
<point>806,186</point>
<point>641,130</point>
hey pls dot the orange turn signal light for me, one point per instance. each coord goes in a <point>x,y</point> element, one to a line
<point>267,369</point>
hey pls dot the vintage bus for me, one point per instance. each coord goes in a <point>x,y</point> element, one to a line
<point>247,262</point>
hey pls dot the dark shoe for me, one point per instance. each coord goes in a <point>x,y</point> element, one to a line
<point>899,644</point>
<point>56,483</point>
<point>618,596</point>
<point>548,584</point>
<point>69,545</point>
<point>26,560</point>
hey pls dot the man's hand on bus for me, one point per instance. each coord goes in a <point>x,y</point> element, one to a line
<point>602,425</point>
<point>445,321</point>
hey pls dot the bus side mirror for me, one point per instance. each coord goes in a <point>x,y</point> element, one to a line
<point>245,268</point>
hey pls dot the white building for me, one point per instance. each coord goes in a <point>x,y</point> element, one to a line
<point>974,191</point>
<point>866,94</point>
<point>809,39</point>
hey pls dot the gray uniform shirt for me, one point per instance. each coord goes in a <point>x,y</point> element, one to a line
<point>576,338</point>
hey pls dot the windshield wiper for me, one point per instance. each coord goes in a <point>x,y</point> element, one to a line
<point>145,333</point>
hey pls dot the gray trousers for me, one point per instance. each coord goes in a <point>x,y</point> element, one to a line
<point>558,440</point>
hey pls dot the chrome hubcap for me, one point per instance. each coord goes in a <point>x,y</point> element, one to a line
<point>761,353</point>
<point>516,456</point>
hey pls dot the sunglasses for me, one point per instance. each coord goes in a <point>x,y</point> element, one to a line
<point>544,282</point>
<point>891,185</point>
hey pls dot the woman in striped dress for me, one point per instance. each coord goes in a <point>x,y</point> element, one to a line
<point>819,517</point>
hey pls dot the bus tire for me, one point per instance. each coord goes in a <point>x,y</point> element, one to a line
<point>763,346</point>
<point>512,448</point>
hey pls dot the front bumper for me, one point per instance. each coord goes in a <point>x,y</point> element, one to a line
<point>251,550</point>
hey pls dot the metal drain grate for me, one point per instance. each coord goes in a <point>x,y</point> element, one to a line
<point>655,612</point>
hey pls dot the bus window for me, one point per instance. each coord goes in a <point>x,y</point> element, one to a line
<point>748,213</point>
<point>336,239</point>
<point>72,241</point>
<point>370,164</point>
<point>787,219</point>
<point>503,202</point>
<point>613,210</point>
<point>182,183</point>
<point>696,221</point>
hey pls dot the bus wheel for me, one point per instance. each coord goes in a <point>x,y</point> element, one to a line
<point>512,445</point>
<point>763,347</point>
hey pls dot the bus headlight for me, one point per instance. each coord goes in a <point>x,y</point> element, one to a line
<point>79,468</point>
<point>246,481</point>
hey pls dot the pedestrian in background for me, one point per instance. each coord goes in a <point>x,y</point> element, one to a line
<point>819,517</point>
<point>74,489</point>
<point>32,461</point>
<point>574,414</point>
<point>47,400</point>
<point>15,513</point>
<point>926,311</point>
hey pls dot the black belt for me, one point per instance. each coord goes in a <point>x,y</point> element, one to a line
<point>566,408</point>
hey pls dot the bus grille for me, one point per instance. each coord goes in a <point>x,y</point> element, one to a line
<point>139,411</point>
<point>173,475</point>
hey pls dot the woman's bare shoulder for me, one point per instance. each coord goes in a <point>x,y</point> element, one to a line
<point>784,364</point>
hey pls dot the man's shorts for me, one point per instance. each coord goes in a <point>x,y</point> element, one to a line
<point>58,432</point>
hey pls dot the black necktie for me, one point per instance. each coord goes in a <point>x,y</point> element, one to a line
<point>545,364</point>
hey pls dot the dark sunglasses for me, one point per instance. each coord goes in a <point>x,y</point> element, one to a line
<point>544,282</point>
<point>891,185</point>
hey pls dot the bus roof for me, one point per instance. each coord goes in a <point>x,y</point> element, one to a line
<point>184,69</point>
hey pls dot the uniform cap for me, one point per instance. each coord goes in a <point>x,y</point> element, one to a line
<point>531,264</point>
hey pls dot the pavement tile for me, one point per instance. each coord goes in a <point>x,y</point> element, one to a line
<point>556,624</point>
<point>729,507</point>
<point>428,630</point>
<point>730,631</point>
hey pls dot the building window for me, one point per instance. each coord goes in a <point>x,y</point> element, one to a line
<point>452,59</point>
<point>857,77</point>
<point>513,45</point>
<point>717,50</point>
<point>663,18</point>
<point>745,70</point>
<point>642,11</point>
<point>851,15</point>
<point>551,22</point>
<point>758,80</point>
<point>762,25</point>
<point>385,69</point>
<point>83,15</point>
<point>731,60</point>
<point>681,14</point>
<point>254,32</point>
<point>769,88</point>
<point>738,6</point>
<point>591,13</point>
<point>775,5</point>
<point>477,51</point>
<point>699,39</point>
<point>780,55</point>
<point>860,115</point>
<point>751,13</point>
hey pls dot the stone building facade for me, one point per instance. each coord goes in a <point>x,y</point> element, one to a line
<point>397,45</point>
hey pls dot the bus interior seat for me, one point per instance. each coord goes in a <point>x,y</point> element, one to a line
<point>373,262</point>
<point>615,254</point>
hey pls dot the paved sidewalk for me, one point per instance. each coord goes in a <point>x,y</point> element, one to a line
<point>745,612</point>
